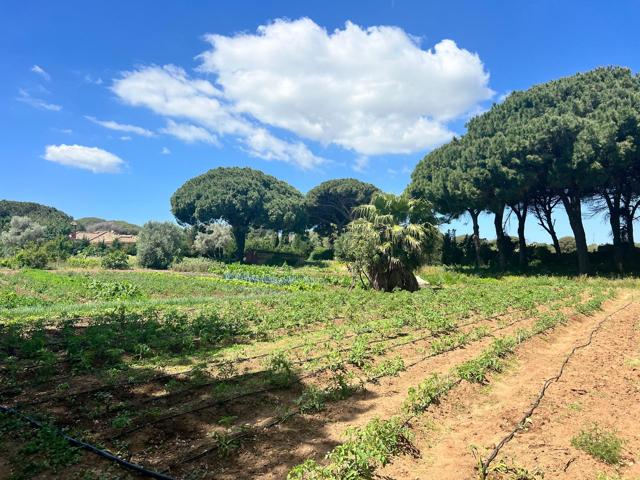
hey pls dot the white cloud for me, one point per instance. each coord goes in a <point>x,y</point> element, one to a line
<point>126,138</point>
<point>26,97</point>
<point>120,127</point>
<point>88,158</point>
<point>165,151</point>
<point>189,133</point>
<point>38,70</point>
<point>373,90</point>
<point>170,92</point>
<point>260,143</point>
<point>66,131</point>
<point>361,164</point>
<point>91,79</point>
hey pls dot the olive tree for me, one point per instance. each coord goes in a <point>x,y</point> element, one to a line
<point>22,231</point>
<point>242,197</point>
<point>213,242</point>
<point>159,244</point>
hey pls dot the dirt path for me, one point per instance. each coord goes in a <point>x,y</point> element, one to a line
<point>600,384</point>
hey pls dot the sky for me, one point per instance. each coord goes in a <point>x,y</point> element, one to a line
<point>109,106</point>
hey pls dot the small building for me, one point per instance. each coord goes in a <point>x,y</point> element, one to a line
<point>104,237</point>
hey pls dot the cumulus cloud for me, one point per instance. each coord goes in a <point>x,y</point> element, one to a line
<point>88,158</point>
<point>189,133</point>
<point>170,92</point>
<point>38,70</point>
<point>165,151</point>
<point>372,90</point>
<point>369,90</point>
<point>26,97</point>
<point>121,127</point>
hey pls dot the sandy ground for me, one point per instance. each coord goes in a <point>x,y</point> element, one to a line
<point>600,384</point>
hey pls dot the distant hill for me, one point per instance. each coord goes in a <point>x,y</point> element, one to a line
<point>95,224</point>
<point>56,221</point>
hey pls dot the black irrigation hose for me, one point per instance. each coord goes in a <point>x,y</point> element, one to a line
<point>278,420</point>
<point>91,448</point>
<point>47,398</point>
<point>536,403</point>
<point>272,388</point>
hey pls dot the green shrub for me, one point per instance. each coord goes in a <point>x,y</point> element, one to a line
<point>198,264</point>
<point>159,243</point>
<point>321,253</point>
<point>602,444</point>
<point>32,257</point>
<point>81,261</point>
<point>116,260</point>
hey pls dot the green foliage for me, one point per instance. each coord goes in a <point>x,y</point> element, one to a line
<point>113,290</point>
<point>56,222</point>
<point>198,264</point>
<point>42,451</point>
<point>569,140</point>
<point>387,242</point>
<point>280,370</point>
<point>115,260</point>
<point>321,253</point>
<point>602,444</point>
<point>330,204</point>
<point>427,393</point>
<point>32,256</point>
<point>21,232</point>
<point>159,244</point>
<point>243,198</point>
<point>82,261</point>
<point>491,360</point>
<point>366,449</point>
<point>215,242</point>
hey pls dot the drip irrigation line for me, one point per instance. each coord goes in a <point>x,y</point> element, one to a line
<point>278,420</point>
<point>89,447</point>
<point>46,398</point>
<point>273,388</point>
<point>536,403</point>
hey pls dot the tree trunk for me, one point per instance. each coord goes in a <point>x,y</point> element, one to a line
<point>553,234</point>
<point>521,212</point>
<point>395,276</point>
<point>476,236</point>
<point>500,238</point>
<point>613,203</point>
<point>628,212</point>
<point>573,207</point>
<point>628,221</point>
<point>240,234</point>
<point>543,210</point>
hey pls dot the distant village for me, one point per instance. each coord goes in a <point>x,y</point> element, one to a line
<point>106,237</point>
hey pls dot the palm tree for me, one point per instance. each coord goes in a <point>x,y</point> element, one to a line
<point>398,230</point>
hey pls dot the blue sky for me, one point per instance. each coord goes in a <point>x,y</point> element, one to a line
<point>109,106</point>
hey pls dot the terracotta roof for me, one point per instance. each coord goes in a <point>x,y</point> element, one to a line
<point>105,237</point>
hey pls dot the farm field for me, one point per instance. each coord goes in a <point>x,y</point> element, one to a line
<point>269,372</point>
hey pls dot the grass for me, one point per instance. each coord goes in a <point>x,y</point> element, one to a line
<point>600,443</point>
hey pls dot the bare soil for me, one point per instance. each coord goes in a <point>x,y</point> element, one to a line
<point>600,384</point>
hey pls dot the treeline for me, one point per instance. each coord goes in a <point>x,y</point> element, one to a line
<point>571,142</point>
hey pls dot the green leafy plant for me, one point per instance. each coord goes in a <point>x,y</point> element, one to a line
<point>115,260</point>
<point>600,443</point>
